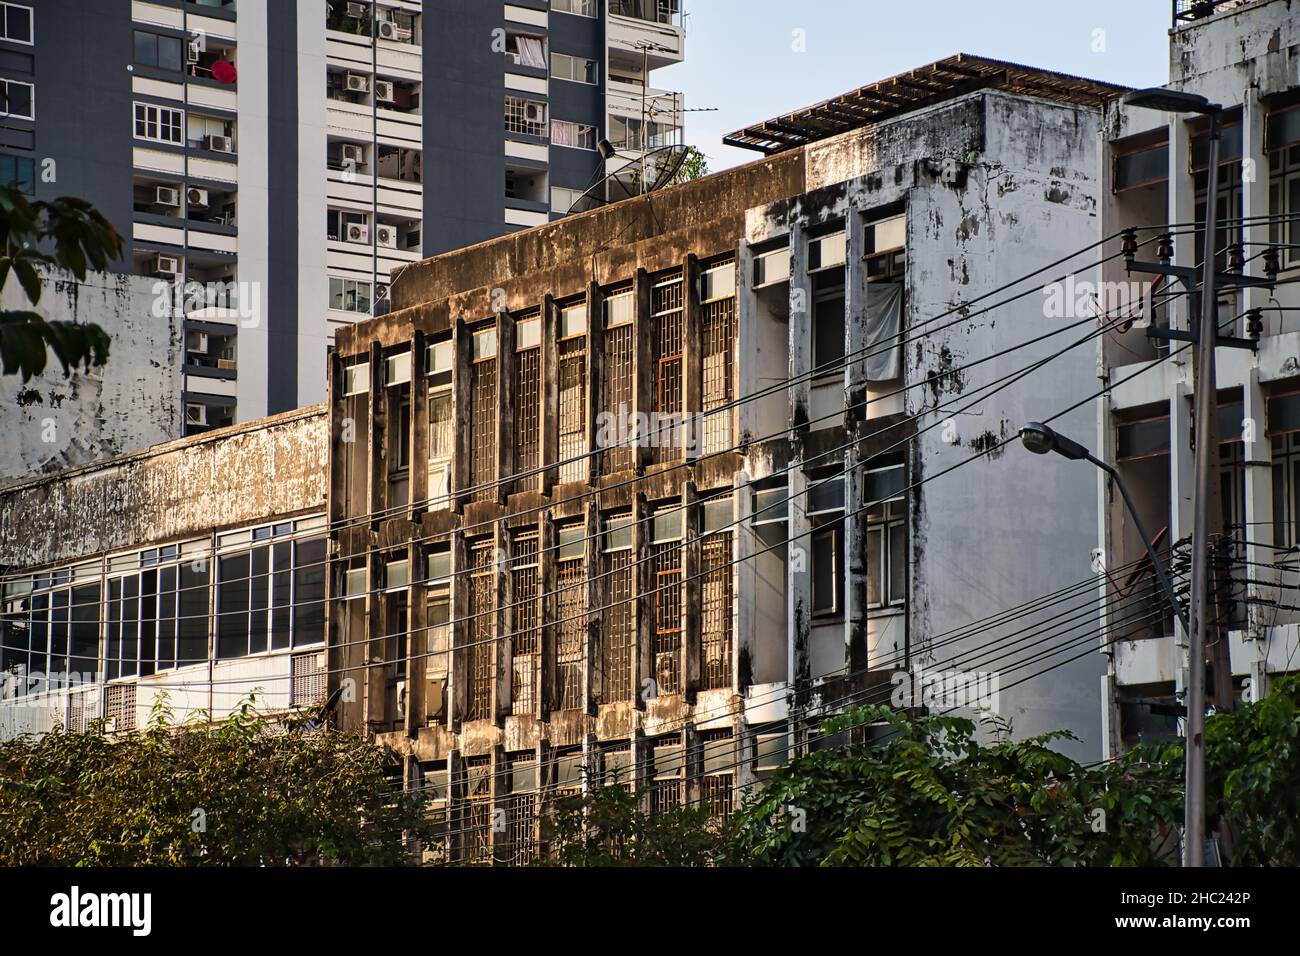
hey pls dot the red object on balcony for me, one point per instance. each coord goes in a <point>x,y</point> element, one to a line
<point>224,72</point>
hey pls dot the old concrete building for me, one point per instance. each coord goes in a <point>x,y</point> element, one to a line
<point>55,421</point>
<point>654,488</point>
<point>1244,56</point>
<point>193,569</point>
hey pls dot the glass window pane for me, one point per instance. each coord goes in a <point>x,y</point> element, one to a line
<point>169,53</point>
<point>18,24</point>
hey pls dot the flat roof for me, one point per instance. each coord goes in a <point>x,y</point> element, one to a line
<point>924,86</point>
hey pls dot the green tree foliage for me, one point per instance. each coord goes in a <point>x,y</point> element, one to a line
<point>694,166</point>
<point>68,233</point>
<point>245,792</point>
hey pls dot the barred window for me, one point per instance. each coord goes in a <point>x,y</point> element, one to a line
<point>717,338</point>
<point>479,633</point>
<point>616,383</point>
<point>716,611</point>
<point>527,401</point>
<point>666,317</point>
<point>525,116</point>
<point>527,639</point>
<point>570,611</point>
<point>483,414</point>
<point>717,772</point>
<point>477,810</point>
<point>572,391</point>
<point>667,773</point>
<point>666,600</point>
<point>521,846</point>
<point>618,618</point>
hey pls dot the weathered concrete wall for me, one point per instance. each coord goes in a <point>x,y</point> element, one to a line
<point>54,422</point>
<point>240,475</point>
<point>1008,528</point>
<point>1251,45</point>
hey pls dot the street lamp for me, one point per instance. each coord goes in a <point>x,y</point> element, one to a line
<point>1041,440</point>
<point>1176,101</point>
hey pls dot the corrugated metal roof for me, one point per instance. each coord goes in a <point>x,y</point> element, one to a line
<point>925,86</point>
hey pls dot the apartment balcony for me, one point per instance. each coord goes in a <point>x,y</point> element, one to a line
<point>624,99</point>
<point>637,30</point>
<point>1188,12</point>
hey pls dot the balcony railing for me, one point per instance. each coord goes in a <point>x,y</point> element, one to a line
<point>1189,11</point>
<point>652,11</point>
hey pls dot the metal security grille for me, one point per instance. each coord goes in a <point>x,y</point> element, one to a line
<point>527,640</point>
<point>119,706</point>
<point>616,398</point>
<point>81,710</point>
<point>570,632</point>
<point>525,116</point>
<point>573,408</point>
<point>483,427</point>
<point>718,345</point>
<point>478,810</point>
<point>522,815</point>
<point>617,651</point>
<point>666,315</point>
<point>527,416</point>
<point>668,774</point>
<point>307,686</point>
<point>666,609</point>
<point>479,653</point>
<point>715,610</point>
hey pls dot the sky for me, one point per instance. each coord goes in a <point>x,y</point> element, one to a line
<point>755,59</point>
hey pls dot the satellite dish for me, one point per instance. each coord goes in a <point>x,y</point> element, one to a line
<point>661,166</point>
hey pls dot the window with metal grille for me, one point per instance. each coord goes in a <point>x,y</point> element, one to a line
<point>717,343</point>
<point>616,385</point>
<point>884,492</point>
<point>483,414</point>
<point>666,600</point>
<point>528,402</point>
<point>435,787</point>
<point>715,610</point>
<point>717,766</point>
<point>618,619</point>
<point>667,317</point>
<point>572,391</point>
<point>82,709</point>
<point>527,637</point>
<point>307,686</point>
<point>478,810</point>
<point>525,116</point>
<point>119,706</point>
<point>571,621</point>
<point>667,773</point>
<point>479,632</point>
<point>521,845</point>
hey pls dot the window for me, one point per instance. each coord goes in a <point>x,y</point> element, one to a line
<point>19,99</point>
<point>617,621</point>
<point>626,133</point>
<point>152,49</point>
<point>577,135</point>
<point>570,615</point>
<point>667,773</point>
<point>617,345</point>
<point>563,199</point>
<point>528,400</point>
<point>19,172</point>
<point>885,496</point>
<point>158,617</point>
<point>886,253</point>
<point>49,637</point>
<point>771,267</point>
<point>666,323</point>
<point>826,256</point>
<point>271,596</point>
<point>825,505</point>
<point>483,412</point>
<point>350,295</point>
<point>666,601</point>
<point>440,400</point>
<point>653,11</point>
<point>1284,200</point>
<point>717,772</point>
<point>716,594</point>
<point>479,631</point>
<point>159,123</point>
<point>477,819</point>
<point>345,225</point>
<point>527,117</point>
<point>718,347</point>
<point>520,845</point>
<point>583,8</point>
<point>576,68</point>
<point>527,644</point>
<point>573,391</point>
<point>526,50</point>
<point>15,23</point>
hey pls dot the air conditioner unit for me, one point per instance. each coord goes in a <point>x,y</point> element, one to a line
<point>197,197</point>
<point>196,413</point>
<point>353,153</point>
<point>359,11</point>
<point>387,30</point>
<point>535,112</point>
<point>219,144</point>
<point>167,196</point>
<point>384,91</point>
<point>386,236</point>
<point>169,266</point>
<point>358,233</point>
<point>192,51</point>
<point>358,83</point>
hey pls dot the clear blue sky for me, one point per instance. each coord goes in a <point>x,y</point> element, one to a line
<point>741,56</point>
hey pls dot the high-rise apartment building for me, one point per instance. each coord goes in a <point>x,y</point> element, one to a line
<point>272,164</point>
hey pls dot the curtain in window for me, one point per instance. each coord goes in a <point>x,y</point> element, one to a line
<point>882,321</point>
<point>530,53</point>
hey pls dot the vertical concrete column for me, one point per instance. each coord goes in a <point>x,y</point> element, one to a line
<point>855,305</point>
<point>643,662</point>
<point>460,387</point>
<point>550,423</point>
<point>378,496</point>
<point>374,661</point>
<point>742,550</point>
<point>457,815</point>
<point>417,640</point>
<point>419,473</point>
<point>506,402</point>
<point>498,836</point>
<point>546,586</point>
<point>1182,208</point>
<point>856,644</point>
<point>502,646</point>
<point>1181,489</point>
<point>798,574</point>
<point>800,328</point>
<point>597,596</point>
<point>644,359</point>
<point>692,591</point>
<point>457,669</point>
<point>692,360</point>
<point>595,376</point>
<point>746,343</point>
